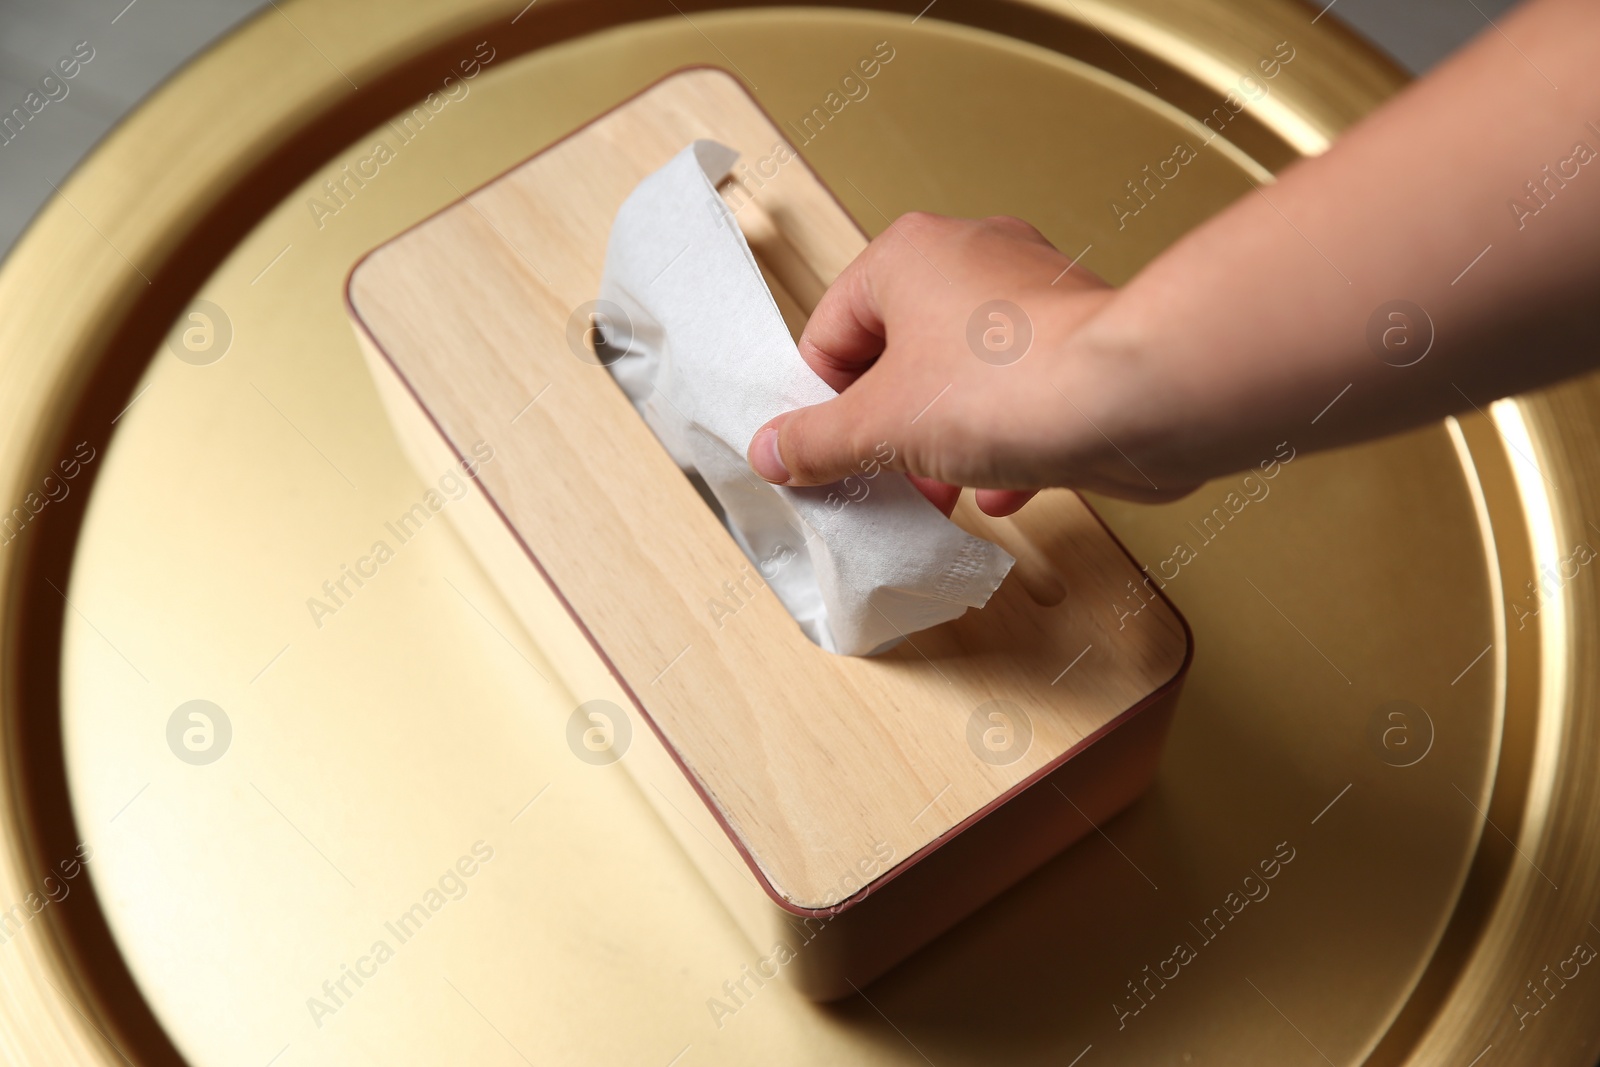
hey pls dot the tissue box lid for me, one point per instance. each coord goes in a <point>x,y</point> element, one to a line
<point>818,766</point>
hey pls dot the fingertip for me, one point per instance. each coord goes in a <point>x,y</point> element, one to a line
<point>764,457</point>
<point>999,503</point>
<point>941,495</point>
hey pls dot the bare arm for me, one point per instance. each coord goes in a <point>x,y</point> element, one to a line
<point>1474,197</point>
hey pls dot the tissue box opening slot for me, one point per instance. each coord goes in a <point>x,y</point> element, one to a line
<point>925,572</point>
<point>760,566</point>
<point>795,288</point>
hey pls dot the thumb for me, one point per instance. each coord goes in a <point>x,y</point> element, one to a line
<point>817,445</point>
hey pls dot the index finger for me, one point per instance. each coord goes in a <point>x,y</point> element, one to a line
<point>845,333</point>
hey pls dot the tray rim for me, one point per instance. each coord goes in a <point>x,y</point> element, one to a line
<point>70,375</point>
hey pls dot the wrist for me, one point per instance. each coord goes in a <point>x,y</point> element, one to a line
<point>1143,428</point>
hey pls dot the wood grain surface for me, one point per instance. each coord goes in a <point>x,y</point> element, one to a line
<point>813,760</point>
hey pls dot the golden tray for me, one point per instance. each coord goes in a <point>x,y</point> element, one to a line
<point>372,842</point>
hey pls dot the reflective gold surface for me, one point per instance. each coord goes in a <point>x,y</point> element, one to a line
<point>368,755</point>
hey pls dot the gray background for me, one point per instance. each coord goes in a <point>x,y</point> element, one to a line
<point>137,45</point>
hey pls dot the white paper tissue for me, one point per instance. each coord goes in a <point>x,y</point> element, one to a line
<point>708,361</point>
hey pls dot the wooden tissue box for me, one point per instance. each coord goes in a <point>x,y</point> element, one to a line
<point>846,810</point>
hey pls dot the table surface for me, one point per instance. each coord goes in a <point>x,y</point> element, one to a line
<point>372,754</point>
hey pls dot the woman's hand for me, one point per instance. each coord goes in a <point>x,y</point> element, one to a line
<point>1470,202</point>
<point>960,343</point>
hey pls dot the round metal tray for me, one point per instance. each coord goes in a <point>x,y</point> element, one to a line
<point>1378,691</point>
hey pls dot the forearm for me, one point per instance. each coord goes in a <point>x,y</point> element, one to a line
<point>1254,329</point>
<point>1246,331</point>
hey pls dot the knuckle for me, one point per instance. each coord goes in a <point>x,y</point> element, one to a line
<point>917,222</point>
<point>797,446</point>
<point>1011,222</point>
<point>809,348</point>
<point>1018,226</point>
<point>828,443</point>
<point>923,457</point>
